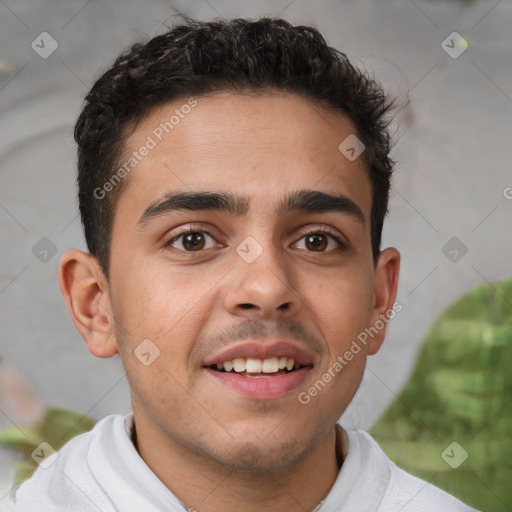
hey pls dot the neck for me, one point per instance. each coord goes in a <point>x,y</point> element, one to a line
<point>207,486</point>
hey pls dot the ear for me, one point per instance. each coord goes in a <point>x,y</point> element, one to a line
<point>86,292</point>
<point>384,294</point>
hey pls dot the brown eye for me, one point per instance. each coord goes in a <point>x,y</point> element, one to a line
<point>192,241</point>
<point>316,242</point>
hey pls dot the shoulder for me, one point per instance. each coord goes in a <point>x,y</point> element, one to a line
<point>405,492</point>
<point>66,475</point>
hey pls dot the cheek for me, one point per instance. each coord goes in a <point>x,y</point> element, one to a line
<point>342,302</point>
<point>163,306</point>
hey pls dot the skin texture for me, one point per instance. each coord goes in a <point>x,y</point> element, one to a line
<point>213,447</point>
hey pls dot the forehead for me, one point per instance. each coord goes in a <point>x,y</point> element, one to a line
<point>259,146</point>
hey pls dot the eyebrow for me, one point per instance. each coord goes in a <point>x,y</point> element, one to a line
<point>308,201</point>
<point>314,201</point>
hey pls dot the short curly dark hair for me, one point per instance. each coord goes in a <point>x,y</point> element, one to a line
<point>196,58</point>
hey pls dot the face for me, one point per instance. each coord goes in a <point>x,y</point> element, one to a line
<point>241,250</point>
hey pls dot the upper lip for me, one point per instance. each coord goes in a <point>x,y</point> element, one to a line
<point>261,350</point>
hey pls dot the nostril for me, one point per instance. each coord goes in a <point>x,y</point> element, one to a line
<point>286,305</point>
<point>246,306</point>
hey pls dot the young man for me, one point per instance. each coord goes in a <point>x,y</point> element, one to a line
<point>233,182</point>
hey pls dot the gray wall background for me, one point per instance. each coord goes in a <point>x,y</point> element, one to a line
<point>452,177</point>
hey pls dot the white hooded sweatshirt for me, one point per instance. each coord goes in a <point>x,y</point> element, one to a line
<point>101,471</point>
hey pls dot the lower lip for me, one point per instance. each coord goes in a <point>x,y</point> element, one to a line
<point>262,388</point>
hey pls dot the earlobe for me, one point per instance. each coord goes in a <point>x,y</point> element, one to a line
<point>385,287</point>
<point>85,290</point>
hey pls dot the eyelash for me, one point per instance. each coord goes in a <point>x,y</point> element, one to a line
<point>301,234</point>
<point>325,231</point>
<point>186,231</point>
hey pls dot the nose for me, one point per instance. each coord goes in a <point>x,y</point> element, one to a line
<point>263,287</point>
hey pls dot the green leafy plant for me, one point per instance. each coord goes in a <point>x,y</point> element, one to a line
<point>451,424</point>
<point>57,428</point>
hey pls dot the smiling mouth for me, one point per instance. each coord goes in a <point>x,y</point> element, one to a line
<point>251,367</point>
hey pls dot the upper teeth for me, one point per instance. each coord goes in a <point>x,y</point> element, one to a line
<point>250,365</point>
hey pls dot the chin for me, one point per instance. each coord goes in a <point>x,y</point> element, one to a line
<point>262,456</point>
